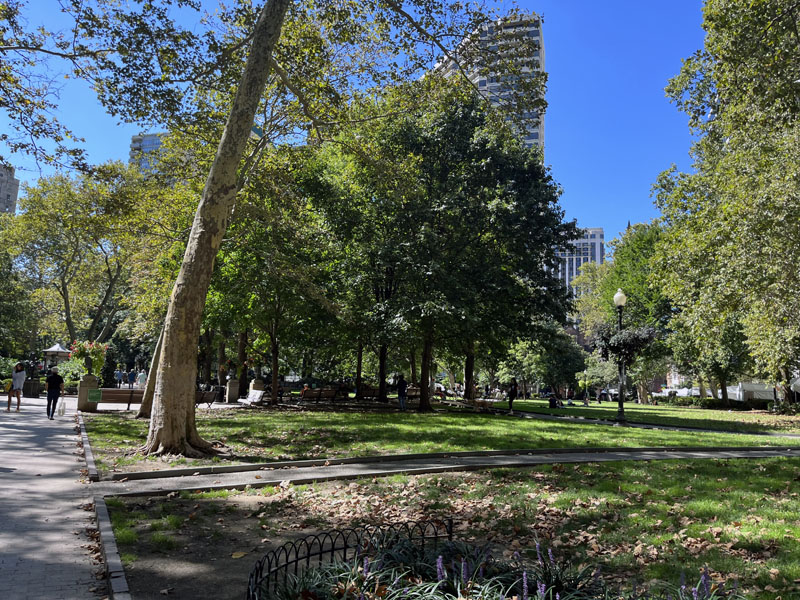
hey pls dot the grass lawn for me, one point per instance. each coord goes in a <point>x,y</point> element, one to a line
<point>640,521</point>
<point>685,416</point>
<point>268,435</point>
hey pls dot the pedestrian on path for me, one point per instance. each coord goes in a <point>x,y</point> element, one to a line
<point>131,378</point>
<point>17,381</point>
<point>118,376</point>
<point>513,390</point>
<point>141,380</point>
<point>54,384</point>
<point>402,391</point>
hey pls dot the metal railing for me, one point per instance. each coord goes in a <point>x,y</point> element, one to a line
<point>274,568</point>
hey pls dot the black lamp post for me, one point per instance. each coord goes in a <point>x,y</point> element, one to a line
<point>619,301</point>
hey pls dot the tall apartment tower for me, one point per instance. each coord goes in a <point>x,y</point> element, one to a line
<point>504,36</point>
<point>9,189</point>
<point>142,145</point>
<point>589,248</point>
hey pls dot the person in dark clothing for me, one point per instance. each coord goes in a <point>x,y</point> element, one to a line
<point>131,378</point>
<point>54,384</point>
<point>513,391</point>
<point>402,391</point>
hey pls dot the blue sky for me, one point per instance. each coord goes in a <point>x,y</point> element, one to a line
<point>609,129</point>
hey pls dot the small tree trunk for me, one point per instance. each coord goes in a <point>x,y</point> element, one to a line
<point>274,351</point>
<point>425,375</point>
<point>221,370</point>
<point>702,387</point>
<point>723,390</point>
<point>469,372</point>
<point>150,386</point>
<point>173,428</point>
<point>713,387</point>
<point>413,360</point>
<point>382,352</point>
<point>241,357</point>
<point>359,365</point>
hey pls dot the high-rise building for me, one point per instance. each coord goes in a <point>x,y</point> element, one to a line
<point>142,145</point>
<point>589,248</point>
<point>517,35</point>
<point>9,189</point>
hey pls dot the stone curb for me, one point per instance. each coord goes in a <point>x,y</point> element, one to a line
<point>325,462</point>
<point>91,467</point>
<point>115,573</point>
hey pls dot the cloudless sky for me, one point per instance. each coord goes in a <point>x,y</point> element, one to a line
<point>609,129</point>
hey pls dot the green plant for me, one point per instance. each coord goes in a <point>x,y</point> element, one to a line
<point>163,542</point>
<point>72,370</point>
<point>94,351</point>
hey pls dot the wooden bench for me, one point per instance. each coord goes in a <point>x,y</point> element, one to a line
<point>116,396</point>
<point>208,397</point>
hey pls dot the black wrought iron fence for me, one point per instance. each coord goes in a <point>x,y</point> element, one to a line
<point>274,568</point>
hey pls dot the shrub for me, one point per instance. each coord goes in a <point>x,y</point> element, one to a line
<point>400,570</point>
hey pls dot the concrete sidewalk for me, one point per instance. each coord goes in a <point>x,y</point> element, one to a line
<point>43,537</point>
<point>414,466</point>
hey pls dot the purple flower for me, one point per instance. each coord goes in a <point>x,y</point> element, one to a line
<point>694,593</point>
<point>464,577</point>
<point>524,585</point>
<point>516,555</point>
<point>480,572</point>
<point>439,568</point>
<point>558,596</point>
<point>541,588</point>
<point>366,566</point>
<point>539,553</point>
<point>405,591</point>
<point>705,578</point>
<point>550,556</point>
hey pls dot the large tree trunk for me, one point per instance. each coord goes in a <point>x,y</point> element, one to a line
<point>413,360</point>
<point>382,352</point>
<point>702,387</point>
<point>274,350</point>
<point>241,357</point>
<point>469,372</point>
<point>425,374</point>
<point>150,386</point>
<point>172,426</point>
<point>359,365</point>
<point>713,387</point>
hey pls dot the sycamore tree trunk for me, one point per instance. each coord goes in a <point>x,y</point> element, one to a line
<point>150,385</point>
<point>172,424</point>
<point>701,387</point>
<point>274,348</point>
<point>382,352</point>
<point>413,365</point>
<point>425,374</point>
<point>713,387</point>
<point>359,365</point>
<point>723,390</point>
<point>469,372</point>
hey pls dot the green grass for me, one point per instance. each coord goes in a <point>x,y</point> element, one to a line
<point>275,435</point>
<point>684,416</point>
<point>163,542</point>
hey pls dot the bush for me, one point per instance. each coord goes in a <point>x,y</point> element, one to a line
<point>72,370</point>
<point>400,570</point>
<point>7,366</point>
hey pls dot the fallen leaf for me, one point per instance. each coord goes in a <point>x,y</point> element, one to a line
<point>238,554</point>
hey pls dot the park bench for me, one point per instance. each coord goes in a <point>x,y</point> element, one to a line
<point>368,392</point>
<point>208,397</point>
<point>116,396</point>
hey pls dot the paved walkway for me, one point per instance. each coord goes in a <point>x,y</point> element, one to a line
<point>414,466</point>
<point>42,524</point>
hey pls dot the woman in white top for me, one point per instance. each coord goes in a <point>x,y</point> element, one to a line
<point>142,379</point>
<point>17,380</point>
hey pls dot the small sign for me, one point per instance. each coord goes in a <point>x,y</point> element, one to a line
<point>95,395</point>
<point>255,397</point>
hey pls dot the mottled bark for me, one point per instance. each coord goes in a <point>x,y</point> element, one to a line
<point>150,386</point>
<point>172,425</point>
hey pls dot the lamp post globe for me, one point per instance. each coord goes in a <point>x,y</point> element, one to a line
<point>619,301</point>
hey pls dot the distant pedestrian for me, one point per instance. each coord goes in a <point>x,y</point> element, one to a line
<point>402,391</point>
<point>118,376</point>
<point>17,381</point>
<point>131,378</point>
<point>513,390</point>
<point>54,384</point>
<point>141,380</point>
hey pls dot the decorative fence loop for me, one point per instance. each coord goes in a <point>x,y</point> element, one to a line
<point>343,545</point>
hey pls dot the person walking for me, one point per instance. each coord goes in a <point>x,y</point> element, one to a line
<point>131,378</point>
<point>54,384</point>
<point>141,380</point>
<point>402,391</point>
<point>118,376</point>
<point>17,381</point>
<point>513,390</point>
